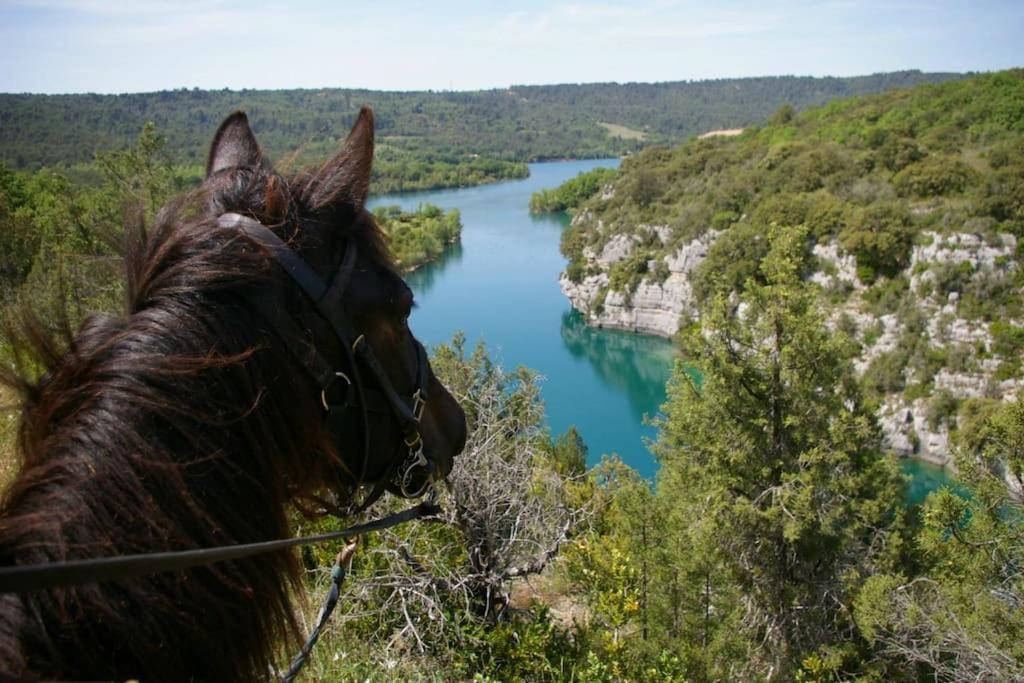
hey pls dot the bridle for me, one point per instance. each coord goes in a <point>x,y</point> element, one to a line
<point>342,391</point>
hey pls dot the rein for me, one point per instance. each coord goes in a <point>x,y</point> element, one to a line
<point>23,578</point>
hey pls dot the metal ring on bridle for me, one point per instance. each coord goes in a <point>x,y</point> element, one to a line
<point>323,392</point>
<point>413,461</point>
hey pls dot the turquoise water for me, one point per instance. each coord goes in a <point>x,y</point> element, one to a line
<point>925,478</point>
<point>500,285</point>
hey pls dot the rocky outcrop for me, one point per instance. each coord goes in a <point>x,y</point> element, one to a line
<point>659,307</point>
<point>654,307</point>
<point>839,268</point>
<point>906,431</point>
<point>962,247</point>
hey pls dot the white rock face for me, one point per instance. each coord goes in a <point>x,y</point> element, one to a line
<point>657,308</point>
<point>583,294</point>
<point>844,264</point>
<point>905,431</point>
<point>886,342</point>
<point>654,308</point>
<point>618,248</point>
<point>962,246</point>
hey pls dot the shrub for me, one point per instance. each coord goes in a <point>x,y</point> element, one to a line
<point>884,374</point>
<point>934,176</point>
<point>941,409</point>
<point>571,194</point>
<point>575,271</point>
<point>880,236</point>
<point>1007,339</point>
<point>885,297</point>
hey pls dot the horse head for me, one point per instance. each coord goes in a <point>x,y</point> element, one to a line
<point>388,419</point>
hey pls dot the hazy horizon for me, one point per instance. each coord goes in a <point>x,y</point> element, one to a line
<point>110,47</point>
<point>504,87</point>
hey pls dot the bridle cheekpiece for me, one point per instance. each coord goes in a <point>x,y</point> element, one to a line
<point>338,406</point>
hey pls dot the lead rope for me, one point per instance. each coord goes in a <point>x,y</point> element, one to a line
<point>342,565</point>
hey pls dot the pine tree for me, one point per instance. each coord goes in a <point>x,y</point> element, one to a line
<point>778,499</point>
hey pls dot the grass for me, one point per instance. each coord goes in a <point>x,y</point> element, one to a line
<point>617,131</point>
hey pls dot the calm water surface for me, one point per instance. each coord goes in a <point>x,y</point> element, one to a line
<point>500,285</point>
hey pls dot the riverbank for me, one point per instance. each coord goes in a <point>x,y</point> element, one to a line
<point>499,286</point>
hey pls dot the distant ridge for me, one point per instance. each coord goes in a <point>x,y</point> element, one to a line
<point>521,123</point>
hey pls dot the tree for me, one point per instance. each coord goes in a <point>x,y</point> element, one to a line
<point>772,466</point>
<point>960,618</point>
<point>881,237</point>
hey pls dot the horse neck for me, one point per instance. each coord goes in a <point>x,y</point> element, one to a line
<point>163,431</point>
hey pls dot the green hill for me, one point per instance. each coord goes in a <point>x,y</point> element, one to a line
<point>521,123</point>
<point>914,203</point>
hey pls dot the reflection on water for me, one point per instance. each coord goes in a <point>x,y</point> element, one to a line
<point>636,365</point>
<point>423,279</point>
<point>558,221</point>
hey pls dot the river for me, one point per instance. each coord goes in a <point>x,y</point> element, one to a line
<point>500,286</point>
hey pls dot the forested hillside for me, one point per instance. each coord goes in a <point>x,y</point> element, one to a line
<point>52,228</point>
<point>854,259</point>
<point>521,123</point>
<point>914,205</point>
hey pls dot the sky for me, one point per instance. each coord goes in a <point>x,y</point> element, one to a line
<point>113,46</point>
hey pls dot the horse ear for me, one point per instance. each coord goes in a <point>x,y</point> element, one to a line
<point>233,145</point>
<point>345,179</point>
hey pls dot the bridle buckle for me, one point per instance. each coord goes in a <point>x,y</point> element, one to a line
<point>413,442</point>
<point>419,403</point>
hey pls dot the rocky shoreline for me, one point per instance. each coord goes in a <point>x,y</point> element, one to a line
<point>910,429</point>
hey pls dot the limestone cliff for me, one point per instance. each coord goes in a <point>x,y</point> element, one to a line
<point>972,367</point>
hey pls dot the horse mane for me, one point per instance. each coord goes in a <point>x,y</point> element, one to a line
<point>159,429</point>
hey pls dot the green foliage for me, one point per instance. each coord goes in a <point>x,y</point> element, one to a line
<point>783,115</point>
<point>934,176</point>
<point>521,123</point>
<point>884,374</point>
<point>960,618</point>
<point>1007,338</point>
<point>58,236</point>
<point>400,170</point>
<point>570,453</point>
<point>855,170</point>
<point>880,236</point>
<point>942,408</point>
<point>19,239</point>
<point>416,237</point>
<point>773,468</point>
<point>627,273</point>
<point>732,261</point>
<point>572,193</point>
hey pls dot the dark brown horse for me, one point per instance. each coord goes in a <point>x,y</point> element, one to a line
<point>194,420</point>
